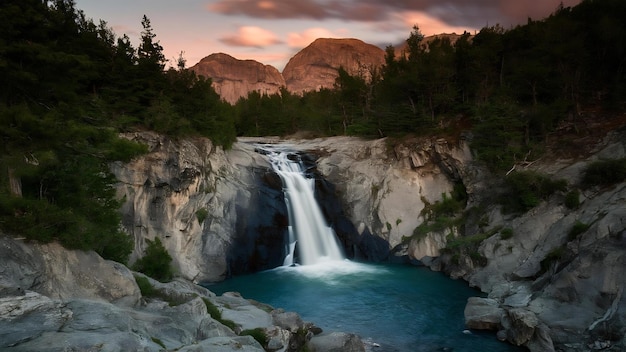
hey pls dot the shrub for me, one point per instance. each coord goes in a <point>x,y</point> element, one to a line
<point>554,256</point>
<point>527,189</point>
<point>147,290</point>
<point>572,199</point>
<point>506,233</point>
<point>202,214</point>
<point>258,334</point>
<point>604,172</point>
<point>577,229</point>
<point>155,262</point>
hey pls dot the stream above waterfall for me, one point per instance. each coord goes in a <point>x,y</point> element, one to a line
<point>401,308</point>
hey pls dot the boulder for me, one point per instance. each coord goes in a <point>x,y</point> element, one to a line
<point>335,342</point>
<point>483,313</point>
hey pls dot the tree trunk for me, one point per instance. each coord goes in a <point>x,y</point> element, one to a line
<point>15,184</point>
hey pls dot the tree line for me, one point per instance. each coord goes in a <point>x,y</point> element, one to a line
<point>71,85</point>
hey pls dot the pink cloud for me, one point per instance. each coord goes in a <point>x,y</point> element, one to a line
<point>251,36</point>
<point>429,25</point>
<point>302,39</point>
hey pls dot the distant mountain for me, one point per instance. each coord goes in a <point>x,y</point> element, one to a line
<point>311,68</point>
<point>233,78</point>
<point>316,65</point>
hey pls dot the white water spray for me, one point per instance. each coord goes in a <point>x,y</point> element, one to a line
<point>308,231</point>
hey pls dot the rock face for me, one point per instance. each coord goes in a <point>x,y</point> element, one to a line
<point>233,78</point>
<point>312,68</point>
<point>316,66</point>
<point>216,213</point>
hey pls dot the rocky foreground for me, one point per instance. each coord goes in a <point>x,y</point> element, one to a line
<point>53,299</point>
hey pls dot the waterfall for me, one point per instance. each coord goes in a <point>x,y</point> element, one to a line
<point>308,231</point>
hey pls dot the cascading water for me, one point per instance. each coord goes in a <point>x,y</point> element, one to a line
<point>316,242</point>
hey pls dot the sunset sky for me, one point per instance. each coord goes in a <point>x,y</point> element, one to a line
<point>271,31</point>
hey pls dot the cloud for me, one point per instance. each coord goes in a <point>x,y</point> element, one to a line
<point>270,8</point>
<point>475,13</point>
<point>251,36</point>
<point>429,25</point>
<point>302,39</point>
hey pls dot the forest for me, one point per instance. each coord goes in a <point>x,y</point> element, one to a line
<point>70,86</point>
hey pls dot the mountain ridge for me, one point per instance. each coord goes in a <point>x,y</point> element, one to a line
<point>309,69</point>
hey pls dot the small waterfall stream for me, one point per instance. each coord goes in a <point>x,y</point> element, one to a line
<point>310,237</point>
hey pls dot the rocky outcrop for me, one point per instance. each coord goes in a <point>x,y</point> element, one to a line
<point>76,301</point>
<point>316,66</point>
<point>216,213</point>
<point>233,78</point>
<point>554,285</point>
<point>312,68</point>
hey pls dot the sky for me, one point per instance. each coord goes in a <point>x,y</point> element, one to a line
<point>272,31</point>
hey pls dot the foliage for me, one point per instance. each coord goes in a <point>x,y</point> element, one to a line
<point>158,342</point>
<point>572,199</point>
<point>258,334</point>
<point>146,289</point>
<point>202,214</point>
<point>527,188</point>
<point>216,314</point>
<point>156,261</point>
<point>577,229</point>
<point>604,172</point>
<point>555,256</point>
<point>506,233</point>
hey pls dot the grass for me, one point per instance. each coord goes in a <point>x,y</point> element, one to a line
<point>216,314</point>
<point>258,334</point>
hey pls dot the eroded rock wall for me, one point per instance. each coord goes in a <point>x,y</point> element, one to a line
<point>201,201</point>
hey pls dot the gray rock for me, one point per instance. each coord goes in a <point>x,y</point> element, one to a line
<point>335,342</point>
<point>483,314</point>
<point>520,325</point>
<point>28,316</point>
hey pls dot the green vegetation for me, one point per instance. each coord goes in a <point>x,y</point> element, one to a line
<point>468,246</point>
<point>202,214</point>
<point>158,341</point>
<point>506,233</point>
<point>572,199</point>
<point>527,188</point>
<point>216,314</point>
<point>443,214</point>
<point>147,290</point>
<point>604,172</point>
<point>555,256</point>
<point>156,261</point>
<point>577,229</point>
<point>258,334</point>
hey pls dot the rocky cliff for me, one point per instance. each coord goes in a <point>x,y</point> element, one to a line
<point>233,78</point>
<point>316,66</point>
